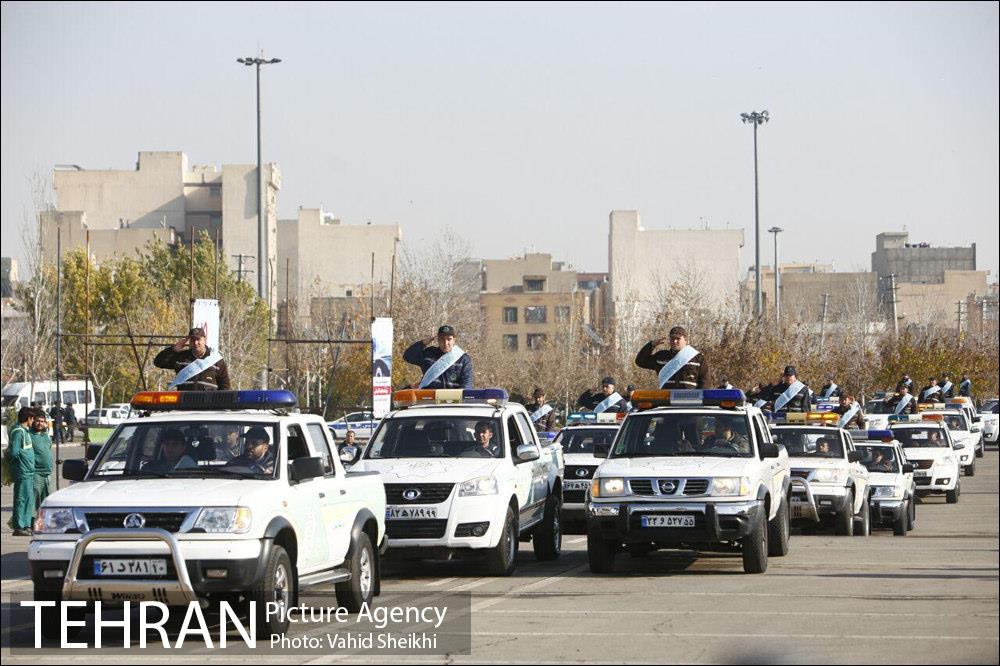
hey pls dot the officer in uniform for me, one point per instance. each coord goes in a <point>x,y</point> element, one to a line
<point>544,419</point>
<point>194,349</point>
<point>925,396</point>
<point>22,460</point>
<point>694,374</point>
<point>906,380</point>
<point>965,387</point>
<point>830,390</point>
<point>257,455</point>
<point>947,388</point>
<point>857,421</point>
<point>457,374</point>
<point>893,402</point>
<point>797,401</point>
<point>41,443</point>
<point>591,399</point>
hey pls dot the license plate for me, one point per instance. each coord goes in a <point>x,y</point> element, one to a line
<point>921,473</point>
<point>668,521</point>
<point>576,485</point>
<point>410,512</point>
<point>130,567</point>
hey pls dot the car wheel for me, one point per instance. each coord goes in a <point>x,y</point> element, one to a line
<point>600,554</point>
<point>363,565</point>
<point>864,521</point>
<point>546,540</point>
<point>52,628</point>
<point>951,496</point>
<point>899,525</point>
<point>754,547</point>
<point>777,532</point>
<point>844,521</point>
<point>501,559</point>
<point>277,586</point>
<point>639,550</point>
<point>911,514</point>
<point>971,469</point>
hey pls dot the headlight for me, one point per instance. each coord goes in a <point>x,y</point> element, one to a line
<point>607,487</point>
<point>887,492</point>
<point>233,519</point>
<point>836,476</point>
<point>730,486</point>
<point>55,521</point>
<point>948,460</point>
<point>481,485</point>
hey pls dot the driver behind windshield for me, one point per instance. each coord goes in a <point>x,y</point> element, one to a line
<point>257,454</point>
<point>724,436</point>
<point>484,438</point>
<point>823,446</point>
<point>881,462</point>
<point>173,453</point>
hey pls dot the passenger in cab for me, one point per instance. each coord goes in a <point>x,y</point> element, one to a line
<point>257,454</point>
<point>881,462</point>
<point>173,454</point>
<point>725,437</point>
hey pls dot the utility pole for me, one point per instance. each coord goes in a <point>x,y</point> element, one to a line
<point>239,265</point>
<point>822,324</point>
<point>959,331</point>
<point>756,118</point>
<point>893,302</point>
<point>777,280</point>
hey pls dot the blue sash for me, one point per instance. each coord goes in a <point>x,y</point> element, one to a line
<point>540,413</point>
<point>947,387</point>
<point>931,391</point>
<point>607,402</point>
<point>789,393</point>
<point>680,359</point>
<point>903,402</point>
<point>846,417</point>
<point>195,368</point>
<point>829,390</point>
<point>440,365</point>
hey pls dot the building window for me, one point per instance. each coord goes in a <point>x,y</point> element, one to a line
<point>534,284</point>
<point>510,315</point>
<point>536,341</point>
<point>535,314</point>
<point>510,342</point>
<point>562,314</point>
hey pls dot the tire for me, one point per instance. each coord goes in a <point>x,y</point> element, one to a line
<point>911,514</point>
<point>363,565</point>
<point>501,559</point>
<point>278,585</point>
<point>951,496</point>
<point>638,551</point>
<point>754,547</point>
<point>52,628</point>
<point>981,451</point>
<point>777,532</point>
<point>600,554</point>
<point>971,469</point>
<point>546,540</point>
<point>844,521</point>
<point>864,521</point>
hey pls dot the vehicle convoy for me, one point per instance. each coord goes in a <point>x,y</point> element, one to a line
<point>928,445</point>
<point>961,433</point>
<point>211,496</point>
<point>824,455</point>
<point>583,431</point>
<point>893,492</point>
<point>690,468</point>
<point>466,475</point>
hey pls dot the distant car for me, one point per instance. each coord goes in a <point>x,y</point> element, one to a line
<point>362,423</point>
<point>990,414</point>
<point>107,416</point>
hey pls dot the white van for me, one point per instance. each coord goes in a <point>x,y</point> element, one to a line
<point>76,392</point>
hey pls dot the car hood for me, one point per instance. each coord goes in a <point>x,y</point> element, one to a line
<point>817,463</point>
<point>586,459</point>
<point>428,470</point>
<point>884,479</point>
<point>158,492</point>
<point>671,466</point>
<point>928,453</point>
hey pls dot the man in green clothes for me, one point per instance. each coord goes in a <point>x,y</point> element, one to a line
<point>22,460</point>
<point>42,444</point>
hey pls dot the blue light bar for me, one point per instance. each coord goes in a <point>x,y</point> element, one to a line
<point>580,417</point>
<point>265,399</point>
<point>645,399</point>
<point>875,435</point>
<point>826,405</point>
<point>490,395</point>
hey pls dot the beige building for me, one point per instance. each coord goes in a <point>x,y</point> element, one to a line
<point>807,288</point>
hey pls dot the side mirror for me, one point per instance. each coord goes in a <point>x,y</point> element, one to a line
<point>303,469</point>
<point>92,451</point>
<point>74,470</point>
<point>348,454</point>
<point>769,450</point>
<point>601,450</point>
<point>854,456</point>
<point>907,468</point>
<point>959,447</point>
<point>526,453</point>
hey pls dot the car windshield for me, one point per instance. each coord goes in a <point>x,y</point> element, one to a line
<point>810,442</point>
<point>877,407</point>
<point>925,438</point>
<point>670,434</point>
<point>582,440</point>
<point>437,437</point>
<point>189,449</point>
<point>879,458</point>
<point>955,422</point>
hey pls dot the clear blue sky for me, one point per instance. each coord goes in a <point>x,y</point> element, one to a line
<point>523,126</point>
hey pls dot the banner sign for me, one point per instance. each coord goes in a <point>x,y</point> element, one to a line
<point>381,366</point>
<point>206,316</point>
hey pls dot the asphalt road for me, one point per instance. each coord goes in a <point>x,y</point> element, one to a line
<point>929,596</point>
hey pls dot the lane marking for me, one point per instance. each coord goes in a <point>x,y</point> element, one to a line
<point>486,603</point>
<point>440,581</point>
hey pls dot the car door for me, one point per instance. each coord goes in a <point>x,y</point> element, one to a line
<point>772,469</point>
<point>304,501</point>
<point>542,468</point>
<point>908,477</point>
<point>523,471</point>
<point>858,472</point>
<point>338,506</point>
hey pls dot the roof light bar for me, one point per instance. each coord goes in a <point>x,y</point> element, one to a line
<point>213,400</point>
<point>581,417</point>
<point>488,396</point>
<point>904,418</point>
<point>872,435</point>
<point>646,399</point>
<point>806,418</point>
<point>824,405</point>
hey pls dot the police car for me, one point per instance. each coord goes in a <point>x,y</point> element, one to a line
<point>690,468</point>
<point>362,423</point>
<point>466,474</point>
<point>968,407</point>
<point>877,413</point>
<point>990,415</point>
<point>893,492</point>
<point>927,443</point>
<point>583,431</point>
<point>824,455</point>
<point>220,495</point>
<point>961,433</point>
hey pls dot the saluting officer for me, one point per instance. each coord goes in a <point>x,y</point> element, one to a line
<point>607,399</point>
<point>444,366</point>
<point>198,367</point>
<point>791,395</point>
<point>679,367</point>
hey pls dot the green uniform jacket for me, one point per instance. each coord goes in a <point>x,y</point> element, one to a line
<point>43,452</point>
<point>22,453</point>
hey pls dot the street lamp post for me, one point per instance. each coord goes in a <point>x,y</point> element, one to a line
<point>756,118</point>
<point>777,279</point>
<point>263,272</point>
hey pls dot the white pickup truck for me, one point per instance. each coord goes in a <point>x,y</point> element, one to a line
<point>465,474</point>
<point>583,431</point>
<point>212,496</point>
<point>961,428</point>
<point>893,494</point>
<point>928,445</point>
<point>690,468</point>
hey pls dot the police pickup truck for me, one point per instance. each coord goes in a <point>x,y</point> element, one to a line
<point>890,474</point>
<point>583,431</point>
<point>466,474</point>
<point>211,496</point>
<point>690,468</point>
<point>927,443</point>
<point>824,455</point>
<point>960,427</point>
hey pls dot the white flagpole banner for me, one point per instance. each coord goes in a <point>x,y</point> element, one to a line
<point>206,317</point>
<point>381,366</point>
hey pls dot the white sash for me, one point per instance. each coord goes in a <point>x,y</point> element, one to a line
<point>789,393</point>
<point>195,368</point>
<point>440,365</point>
<point>947,387</point>
<point>903,402</point>
<point>829,390</point>
<point>607,402</point>
<point>680,359</point>
<point>931,391</point>
<point>760,403</point>
<point>848,415</point>
<point>540,413</point>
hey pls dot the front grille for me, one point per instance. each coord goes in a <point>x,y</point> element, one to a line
<point>800,473</point>
<point>416,529</point>
<point>924,481</point>
<point>430,493</point>
<point>165,520</point>
<point>641,486</point>
<point>696,487</point>
<point>574,496</point>
<point>573,471</point>
<point>922,464</point>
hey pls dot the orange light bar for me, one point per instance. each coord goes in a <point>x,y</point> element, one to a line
<point>933,417</point>
<point>413,396</point>
<point>147,398</point>
<point>646,398</point>
<point>924,406</point>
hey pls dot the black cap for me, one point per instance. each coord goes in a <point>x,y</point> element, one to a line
<point>790,370</point>
<point>608,381</point>
<point>446,330</point>
<point>902,385</point>
<point>630,388</point>
<point>538,392</point>
<point>257,433</point>
<point>678,330</point>
<point>196,332</point>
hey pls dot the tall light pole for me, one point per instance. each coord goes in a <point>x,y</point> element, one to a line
<point>777,279</point>
<point>263,274</point>
<point>756,118</point>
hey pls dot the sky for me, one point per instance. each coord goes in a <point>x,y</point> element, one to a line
<point>523,126</point>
